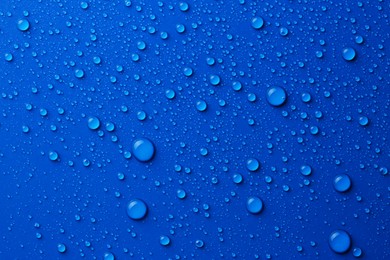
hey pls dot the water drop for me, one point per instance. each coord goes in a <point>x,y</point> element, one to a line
<point>23,25</point>
<point>164,240</point>
<point>254,205</point>
<point>252,164</point>
<point>276,96</point>
<point>137,209</point>
<point>93,123</point>
<point>257,23</point>
<point>342,183</point>
<point>339,241</point>
<point>349,54</point>
<point>143,149</point>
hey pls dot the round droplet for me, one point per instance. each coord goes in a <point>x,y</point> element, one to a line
<point>349,54</point>
<point>187,72</point>
<point>137,209</point>
<point>53,156</point>
<point>339,241</point>
<point>183,6</point>
<point>276,96</point>
<point>79,73</point>
<point>61,248</point>
<point>164,240</point>
<point>252,164</point>
<point>199,243</point>
<point>23,25</point>
<point>306,97</point>
<point>363,121</point>
<point>357,252</point>
<point>342,183</point>
<point>170,93</point>
<point>237,178</point>
<point>93,123</point>
<point>215,80</point>
<point>181,194</point>
<point>257,23</point>
<point>254,205</point>
<point>283,31</point>
<point>143,149</point>
<point>109,256</point>
<point>305,170</point>
<point>201,105</point>
<point>180,28</point>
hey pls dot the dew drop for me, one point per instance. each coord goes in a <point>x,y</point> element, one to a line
<point>342,183</point>
<point>143,149</point>
<point>276,96</point>
<point>23,25</point>
<point>254,205</point>
<point>349,54</point>
<point>137,209</point>
<point>339,241</point>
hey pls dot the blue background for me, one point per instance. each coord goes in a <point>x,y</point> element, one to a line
<point>38,195</point>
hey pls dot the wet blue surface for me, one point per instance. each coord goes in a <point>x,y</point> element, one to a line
<point>226,170</point>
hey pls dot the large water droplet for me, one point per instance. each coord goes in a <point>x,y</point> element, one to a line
<point>143,149</point>
<point>254,205</point>
<point>339,241</point>
<point>137,209</point>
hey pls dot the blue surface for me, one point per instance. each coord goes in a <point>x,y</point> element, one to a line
<point>192,77</point>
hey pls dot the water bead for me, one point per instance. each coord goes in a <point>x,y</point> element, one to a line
<point>164,35</point>
<point>110,127</point>
<point>164,240</point>
<point>61,248</point>
<point>359,39</point>
<point>181,194</point>
<point>252,97</point>
<point>93,123</point>
<point>349,54</point>
<point>276,96</point>
<point>237,86</point>
<point>204,151</point>
<point>357,252</point>
<point>8,57</point>
<point>342,183</point>
<point>283,31</point>
<point>306,97</point>
<point>141,45</point>
<point>53,156</point>
<point>141,115</point>
<point>339,241</point>
<point>254,205</point>
<point>257,23</point>
<point>237,178</point>
<point>215,80</point>
<point>210,61</point>
<point>305,170</point>
<point>187,72</point>
<point>143,149</point>
<point>183,6</point>
<point>84,5</point>
<point>79,73</point>
<point>363,121</point>
<point>180,28</point>
<point>170,93</point>
<point>25,129</point>
<point>199,243</point>
<point>137,209</point>
<point>109,256</point>
<point>252,164</point>
<point>97,60</point>
<point>23,25</point>
<point>201,105</point>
